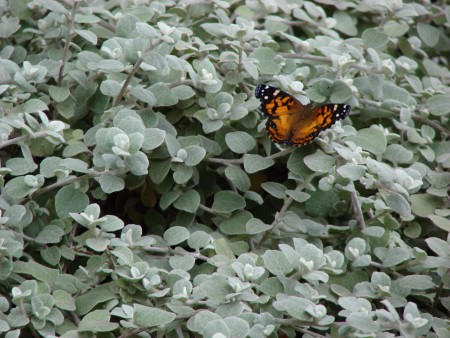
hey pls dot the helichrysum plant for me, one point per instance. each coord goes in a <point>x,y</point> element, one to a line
<point>140,194</point>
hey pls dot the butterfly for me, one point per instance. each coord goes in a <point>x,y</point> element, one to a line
<point>292,123</point>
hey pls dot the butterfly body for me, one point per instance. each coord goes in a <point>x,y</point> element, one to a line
<point>289,122</point>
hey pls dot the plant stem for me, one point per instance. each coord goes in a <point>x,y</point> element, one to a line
<point>133,71</point>
<point>67,43</point>
<point>23,138</point>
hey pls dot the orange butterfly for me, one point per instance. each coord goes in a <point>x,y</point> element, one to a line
<point>292,123</point>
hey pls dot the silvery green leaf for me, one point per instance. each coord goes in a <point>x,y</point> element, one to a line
<point>64,300</point>
<point>182,262</point>
<point>182,174</point>
<point>227,201</point>
<point>275,189</point>
<point>97,321</point>
<point>168,198</point>
<point>80,219</point>
<point>144,95</point>
<point>201,319</point>
<point>438,246</point>
<point>32,122</point>
<point>374,38</point>
<point>182,288</point>
<point>370,139</point>
<point>124,255</point>
<point>240,142</point>
<point>9,26</point>
<point>355,248</point>
<point>175,235</point>
<point>428,34</point>
<point>298,196</point>
<point>16,317</point>
<point>136,142</point>
<point>111,183</point>
<point>112,223</point>
<point>129,122</point>
<point>138,163</point>
<point>396,153</point>
<point>153,138</point>
<point>267,63</point>
<point>351,171</point>
<point>362,261</point>
<point>50,234</point>
<point>395,256</point>
<point>295,307</point>
<point>87,35</point>
<point>18,166</point>
<point>34,105</point>
<point>113,66</point>
<point>253,196</point>
<point>399,204</point>
<point>97,244</point>
<point>255,226</point>
<point>54,137</point>
<point>216,328</point>
<point>236,223</point>
<point>55,126</point>
<point>173,145</point>
<point>215,29</point>
<point>238,327</point>
<point>159,170</point>
<point>188,201</point>
<point>145,29</point>
<point>68,199</point>
<point>211,126</point>
<point>199,239</point>
<point>254,163</point>
<point>342,92</point>
<point>195,155</point>
<point>276,262</point>
<point>438,104</point>
<point>238,177</point>
<point>163,94</point>
<point>74,164</point>
<point>375,231</point>
<point>345,23</point>
<point>363,321</point>
<point>183,92</point>
<point>110,88</point>
<point>417,282</point>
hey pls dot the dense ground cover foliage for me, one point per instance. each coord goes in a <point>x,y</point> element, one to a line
<point>140,194</point>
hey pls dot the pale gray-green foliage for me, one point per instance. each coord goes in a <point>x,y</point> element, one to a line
<point>349,236</point>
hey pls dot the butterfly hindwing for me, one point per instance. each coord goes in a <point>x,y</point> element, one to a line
<point>313,121</point>
<point>291,123</point>
<point>279,128</point>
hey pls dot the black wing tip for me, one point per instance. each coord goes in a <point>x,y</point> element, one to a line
<point>259,90</point>
<point>346,110</point>
<point>343,111</point>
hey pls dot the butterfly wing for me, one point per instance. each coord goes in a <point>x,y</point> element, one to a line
<point>316,120</point>
<point>275,102</point>
<point>283,111</point>
<point>291,123</point>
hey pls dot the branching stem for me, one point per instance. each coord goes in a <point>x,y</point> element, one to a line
<point>23,138</point>
<point>133,71</point>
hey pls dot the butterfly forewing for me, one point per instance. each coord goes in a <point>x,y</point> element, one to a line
<point>291,123</point>
<point>275,102</point>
